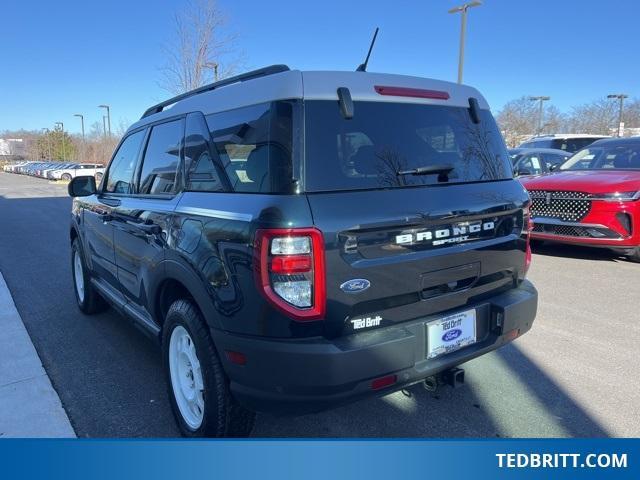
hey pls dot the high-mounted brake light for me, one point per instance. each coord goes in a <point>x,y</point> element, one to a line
<point>411,92</point>
<point>289,271</point>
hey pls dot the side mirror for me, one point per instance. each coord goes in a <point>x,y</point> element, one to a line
<point>553,168</point>
<point>82,186</point>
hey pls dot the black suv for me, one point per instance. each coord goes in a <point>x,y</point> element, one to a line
<point>297,240</point>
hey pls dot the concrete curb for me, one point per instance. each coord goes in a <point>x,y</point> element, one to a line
<point>29,405</point>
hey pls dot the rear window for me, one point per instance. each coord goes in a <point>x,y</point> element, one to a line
<point>382,139</point>
<point>254,145</point>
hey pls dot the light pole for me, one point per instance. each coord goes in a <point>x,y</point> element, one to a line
<point>81,123</point>
<point>463,28</point>
<point>540,99</point>
<point>108,116</point>
<point>621,97</point>
<point>214,66</point>
<point>104,125</point>
<point>48,142</point>
<point>64,151</point>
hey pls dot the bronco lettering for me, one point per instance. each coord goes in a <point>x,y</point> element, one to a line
<point>454,234</point>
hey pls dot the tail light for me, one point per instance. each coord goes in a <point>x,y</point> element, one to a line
<point>290,272</point>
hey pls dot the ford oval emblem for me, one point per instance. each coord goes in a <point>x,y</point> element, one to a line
<point>451,335</point>
<point>355,285</point>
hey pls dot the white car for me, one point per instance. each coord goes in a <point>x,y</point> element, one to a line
<point>90,169</point>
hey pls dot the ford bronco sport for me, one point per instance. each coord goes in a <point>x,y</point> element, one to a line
<point>297,240</point>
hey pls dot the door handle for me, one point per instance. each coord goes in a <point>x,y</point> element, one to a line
<point>148,228</point>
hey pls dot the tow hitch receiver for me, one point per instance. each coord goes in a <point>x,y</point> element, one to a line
<point>453,377</point>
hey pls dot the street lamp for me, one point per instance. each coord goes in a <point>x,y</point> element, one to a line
<point>540,99</point>
<point>64,152</point>
<point>108,116</point>
<point>214,66</point>
<point>463,9</point>
<point>621,97</point>
<point>48,141</point>
<point>104,125</point>
<point>81,123</point>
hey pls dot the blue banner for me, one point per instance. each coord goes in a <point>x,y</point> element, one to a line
<point>316,459</point>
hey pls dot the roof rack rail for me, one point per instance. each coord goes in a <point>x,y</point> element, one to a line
<point>261,72</point>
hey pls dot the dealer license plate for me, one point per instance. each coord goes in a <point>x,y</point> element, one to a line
<point>451,333</point>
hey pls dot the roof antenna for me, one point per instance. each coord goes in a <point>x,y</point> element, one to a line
<point>363,66</point>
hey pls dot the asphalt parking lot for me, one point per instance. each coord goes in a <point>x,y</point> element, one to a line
<point>575,374</point>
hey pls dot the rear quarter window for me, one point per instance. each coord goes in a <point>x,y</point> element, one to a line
<point>255,146</point>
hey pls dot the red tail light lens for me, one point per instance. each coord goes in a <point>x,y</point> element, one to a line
<point>290,271</point>
<point>383,382</point>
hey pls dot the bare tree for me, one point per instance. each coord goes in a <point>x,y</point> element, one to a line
<point>601,116</point>
<point>202,49</point>
<point>596,117</point>
<point>518,120</point>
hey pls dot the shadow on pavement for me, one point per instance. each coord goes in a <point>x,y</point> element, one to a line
<point>109,379</point>
<point>578,252</point>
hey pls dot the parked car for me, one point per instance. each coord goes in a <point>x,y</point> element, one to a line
<point>13,167</point>
<point>592,199</point>
<point>48,172</point>
<point>289,273</point>
<point>569,142</point>
<point>40,171</point>
<point>93,169</point>
<point>536,161</point>
<point>30,169</point>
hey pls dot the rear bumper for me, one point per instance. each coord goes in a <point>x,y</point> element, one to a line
<point>300,376</point>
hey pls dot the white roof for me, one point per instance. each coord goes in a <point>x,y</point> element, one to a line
<point>316,85</point>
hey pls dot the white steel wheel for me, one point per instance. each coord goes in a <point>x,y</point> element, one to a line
<point>78,275</point>
<point>186,377</point>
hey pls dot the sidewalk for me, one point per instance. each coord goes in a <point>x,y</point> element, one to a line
<point>29,406</point>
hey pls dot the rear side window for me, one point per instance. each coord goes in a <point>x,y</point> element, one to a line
<point>383,139</point>
<point>553,160</point>
<point>203,171</point>
<point>161,159</point>
<point>120,174</point>
<point>571,144</point>
<point>254,145</point>
<point>530,165</point>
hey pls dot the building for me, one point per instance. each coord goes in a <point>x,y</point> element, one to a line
<point>12,147</point>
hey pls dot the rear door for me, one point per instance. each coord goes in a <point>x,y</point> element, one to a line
<point>412,245</point>
<point>141,220</point>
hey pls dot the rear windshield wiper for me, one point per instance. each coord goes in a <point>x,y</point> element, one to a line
<point>430,170</point>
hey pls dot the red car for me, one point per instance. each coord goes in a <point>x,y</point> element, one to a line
<point>591,199</point>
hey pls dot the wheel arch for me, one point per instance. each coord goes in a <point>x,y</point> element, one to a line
<point>180,281</point>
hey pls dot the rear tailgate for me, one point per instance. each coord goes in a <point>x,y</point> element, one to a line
<point>416,259</point>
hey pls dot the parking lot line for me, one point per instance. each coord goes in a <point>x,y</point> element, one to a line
<point>29,405</point>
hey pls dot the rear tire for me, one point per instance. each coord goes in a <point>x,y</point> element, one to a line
<point>635,255</point>
<point>66,177</point>
<point>198,387</point>
<point>87,297</point>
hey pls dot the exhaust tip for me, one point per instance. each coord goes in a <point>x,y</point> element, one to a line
<point>430,384</point>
